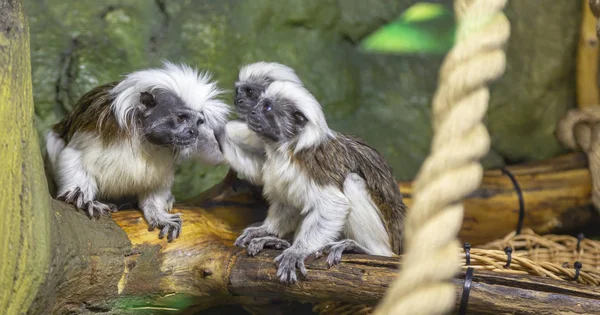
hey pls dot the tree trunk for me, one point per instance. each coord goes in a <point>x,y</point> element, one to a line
<point>24,199</point>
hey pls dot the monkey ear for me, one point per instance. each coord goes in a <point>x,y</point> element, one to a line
<point>300,119</point>
<point>147,99</point>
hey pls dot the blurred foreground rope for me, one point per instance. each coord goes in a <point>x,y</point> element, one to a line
<point>452,170</point>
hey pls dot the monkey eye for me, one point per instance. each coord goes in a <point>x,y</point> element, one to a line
<point>181,118</point>
<point>249,91</point>
<point>267,107</point>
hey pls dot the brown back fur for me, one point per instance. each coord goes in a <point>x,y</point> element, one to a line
<point>92,112</point>
<point>334,159</point>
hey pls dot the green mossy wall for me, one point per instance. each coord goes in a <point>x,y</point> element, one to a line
<point>385,99</point>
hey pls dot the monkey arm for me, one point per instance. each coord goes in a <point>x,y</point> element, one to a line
<point>281,220</point>
<point>156,206</point>
<point>248,163</point>
<point>240,135</point>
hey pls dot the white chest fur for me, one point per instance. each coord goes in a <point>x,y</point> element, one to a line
<point>286,182</point>
<point>124,168</point>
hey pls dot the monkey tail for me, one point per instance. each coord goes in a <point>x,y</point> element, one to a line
<point>395,226</point>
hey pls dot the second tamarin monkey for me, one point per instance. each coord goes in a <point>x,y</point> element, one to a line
<point>243,148</point>
<point>329,191</point>
<point>125,138</point>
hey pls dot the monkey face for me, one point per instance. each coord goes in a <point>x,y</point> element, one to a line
<point>246,96</point>
<point>165,121</point>
<point>276,120</point>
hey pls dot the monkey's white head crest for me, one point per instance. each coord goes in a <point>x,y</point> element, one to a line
<point>194,88</point>
<point>316,129</point>
<point>268,70</point>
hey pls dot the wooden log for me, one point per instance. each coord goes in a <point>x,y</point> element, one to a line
<point>362,279</point>
<point>556,195</point>
<point>202,269</point>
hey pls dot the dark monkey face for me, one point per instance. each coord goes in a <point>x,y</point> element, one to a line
<point>276,120</point>
<point>246,96</point>
<point>165,120</point>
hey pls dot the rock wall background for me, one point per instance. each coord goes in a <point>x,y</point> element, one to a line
<point>385,99</point>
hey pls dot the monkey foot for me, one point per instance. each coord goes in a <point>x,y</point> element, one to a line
<point>93,208</point>
<point>169,225</point>
<point>249,234</point>
<point>336,249</point>
<point>287,263</point>
<point>258,244</point>
<point>96,208</point>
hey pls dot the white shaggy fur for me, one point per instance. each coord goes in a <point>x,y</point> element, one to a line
<point>272,70</point>
<point>193,87</point>
<point>120,169</point>
<point>323,209</point>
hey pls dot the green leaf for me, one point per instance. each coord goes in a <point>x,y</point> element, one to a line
<point>423,28</point>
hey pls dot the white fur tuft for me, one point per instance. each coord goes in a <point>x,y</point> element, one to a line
<point>54,145</point>
<point>272,70</point>
<point>193,87</point>
<point>316,130</point>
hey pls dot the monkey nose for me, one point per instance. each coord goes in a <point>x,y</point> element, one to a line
<point>239,101</point>
<point>191,132</point>
<point>253,112</point>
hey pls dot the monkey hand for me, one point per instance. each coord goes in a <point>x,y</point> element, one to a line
<point>169,224</point>
<point>249,234</point>
<point>256,245</point>
<point>287,263</point>
<point>92,208</point>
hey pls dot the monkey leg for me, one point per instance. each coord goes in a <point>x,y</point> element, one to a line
<point>155,207</point>
<point>336,249</point>
<point>259,243</point>
<point>77,187</point>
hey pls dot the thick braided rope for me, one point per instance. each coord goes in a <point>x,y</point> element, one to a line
<point>452,170</point>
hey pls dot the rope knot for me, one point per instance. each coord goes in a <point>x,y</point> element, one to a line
<point>580,130</point>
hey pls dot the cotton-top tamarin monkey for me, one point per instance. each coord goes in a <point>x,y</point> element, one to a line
<point>242,148</point>
<point>331,191</point>
<point>124,139</point>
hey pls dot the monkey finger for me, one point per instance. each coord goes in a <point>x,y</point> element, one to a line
<point>171,236</point>
<point>163,232</point>
<point>335,256</point>
<point>302,267</point>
